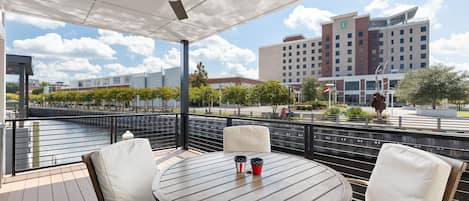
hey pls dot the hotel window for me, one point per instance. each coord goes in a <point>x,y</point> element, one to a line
<point>349,60</point>
<point>284,68</point>
<point>319,50</point>
<point>411,30</point>
<point>289,73</point>
<point>304,59</point>
<point>297,79</point>
<point>337,53</point>
<point>289,54</point>
<point>319,57</point>
<point>411,57</point>
<point>284,61</point>
<point>312,44</point>
<point>423,47</point>
<point>284,54</point>
<point>327,61</point>
<point>352,85</point>
<point>423,29</point>
<point>392,66</point>
<point>381,51</point>
<point>401,40</point>
<point>360,33</point>
<point>289,47</point>
<point>298,46</point>
<point>297,66</point>
<point>360,42</point>
<point>401,49</point>
<point>304,51</point>
<point>319,65</point>
<point>392,33</point>
<point>423,38</point>
<point>392,58</point>
<point>349,43</point>
<point>381,59</point>
<point>312,58</point>
<point>284,81</point>
<point>423,65</point>
<point>116,80</point>
<point>423,56</point>
<point>392,50</point>
<point>304,45</point>
<point>327,54</point>
<point>312,66</point>
<point>411,39</point>
<point>402,32</point>
<point>297,53</point>
<point>289,80</point>
<point>381,43</point>
<point>349,74</point>
<point>304,65</point>
<point>319,43</point>
<point>392,42</point>
<point>297,73</point>
<point>289,60</point>
<point>337,61</point>
<point>304,72</point>
<point>312,72</point>
<point>289,67</point>
<point>284,74</point>
<point>349,35</point>
<point>410,66</point>
<point>349,68</point>
<point>312,51</point>
<point>297,59</point>
<point>327,46</point>
<point>410,48</point>
<point>327,38</point>
<point>337,45</point>
<point>401,58</point>
<point>284,48</point>
<point>337,68</point>
<point>373,51</point>
<point>349,51</point>
<point>337,37</point>
<point>401,66</point>
<point>381,35</point>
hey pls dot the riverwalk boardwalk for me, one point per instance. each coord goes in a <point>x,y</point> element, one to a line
<point>68,183</point>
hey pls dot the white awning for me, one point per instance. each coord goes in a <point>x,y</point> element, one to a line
<point>151,18</point>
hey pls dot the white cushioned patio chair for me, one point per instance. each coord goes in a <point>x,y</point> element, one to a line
<point>123,171</point>
<point>408,174</point>
<point>246,138</point>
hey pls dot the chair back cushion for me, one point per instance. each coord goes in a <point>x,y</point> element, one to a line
<point>94,179</point>
<point>407,174</point>
<point>457,168</point>
<point>125,170</point>
<point>246,138</point>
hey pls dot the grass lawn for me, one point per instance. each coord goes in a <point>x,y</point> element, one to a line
<point>464,114</point>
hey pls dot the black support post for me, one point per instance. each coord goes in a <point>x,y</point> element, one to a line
<point>185,94</point>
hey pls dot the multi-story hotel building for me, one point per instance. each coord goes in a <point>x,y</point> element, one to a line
<point>348,52</point>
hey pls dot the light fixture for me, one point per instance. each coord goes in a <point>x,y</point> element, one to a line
<point>178,9</point>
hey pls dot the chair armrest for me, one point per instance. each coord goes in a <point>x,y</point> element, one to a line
<point>357,181</point>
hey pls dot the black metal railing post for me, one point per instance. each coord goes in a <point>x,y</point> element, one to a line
<point>176,131</point>
<point>13,151</point>
<point>308,138</point>
<point>111,129</point>
<point>229,122</point>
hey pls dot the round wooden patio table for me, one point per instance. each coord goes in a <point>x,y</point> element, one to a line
<point>213,176</point>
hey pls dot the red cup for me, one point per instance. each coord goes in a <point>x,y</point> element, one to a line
<point>256,165</point>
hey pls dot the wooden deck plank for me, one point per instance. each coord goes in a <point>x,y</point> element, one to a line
<point>84,184</point>
<point>31,188</point>
<point>71,186</point>
<point>45,189</point>
<point>58,188</point>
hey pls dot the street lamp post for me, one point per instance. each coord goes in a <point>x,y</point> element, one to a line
<point>330,85</point>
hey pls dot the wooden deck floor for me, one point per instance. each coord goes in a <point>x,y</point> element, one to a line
<point>67,183</point>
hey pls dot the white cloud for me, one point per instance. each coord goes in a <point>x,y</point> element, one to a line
<point>428,9</point>
<point>53,45</point>
<point>136,44</point>
<point>217,48</point>
<point>311,18</point>
<point>65,70</point>
<point>34,21</point>
<point>232,57</point>
<point>451,51</point>
<point>149,64</point>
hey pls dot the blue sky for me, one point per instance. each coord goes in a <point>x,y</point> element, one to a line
<point>63,52</point>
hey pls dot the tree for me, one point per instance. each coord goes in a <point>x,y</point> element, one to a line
<point>208,95</point>
<point>432,85</point>
<point>166,94</point>
<point>238,95</point>
<point>270,93</point>
<point>145,94</point>
<point>200,76</point>
<point>12,96</point>
<point>38,91</point>
<point>12,87</point>
<point>310,89</point>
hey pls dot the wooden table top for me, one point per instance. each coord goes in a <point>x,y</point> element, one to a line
<point>213,176</point>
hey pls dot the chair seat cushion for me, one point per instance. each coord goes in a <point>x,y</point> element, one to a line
<point>407,174</point>
<point>246,138</point>
<point>125,170</point>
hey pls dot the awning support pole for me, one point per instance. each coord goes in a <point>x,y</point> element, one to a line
<point>185,94</point>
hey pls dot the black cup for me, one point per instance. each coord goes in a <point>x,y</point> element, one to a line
<point>257,161</point>
<point>240,158</point>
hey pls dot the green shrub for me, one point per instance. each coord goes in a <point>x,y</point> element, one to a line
<point>303,107</point>
<point>332,114</point>
<point>356,114</point>
<point>319,105</point>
